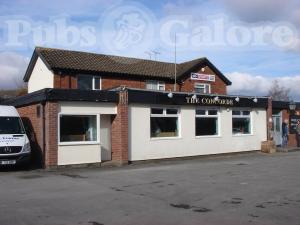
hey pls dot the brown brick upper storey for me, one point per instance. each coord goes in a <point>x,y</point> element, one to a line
<point>114,71</point>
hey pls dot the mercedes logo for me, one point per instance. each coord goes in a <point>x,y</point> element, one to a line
<point>7,149</point>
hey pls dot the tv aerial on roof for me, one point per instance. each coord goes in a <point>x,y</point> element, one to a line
<point>149,54</point>
<point>156,53</point>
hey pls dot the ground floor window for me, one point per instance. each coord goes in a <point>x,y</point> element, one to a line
<point>241,122</point>
<point>207,122</point>
<point>78,128</point>
<point>164,122</point>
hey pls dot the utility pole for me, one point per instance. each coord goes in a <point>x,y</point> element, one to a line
<point>175,65</point>
<point>149,53</point>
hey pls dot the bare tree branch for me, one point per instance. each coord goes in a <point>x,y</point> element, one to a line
<point>279,92</point>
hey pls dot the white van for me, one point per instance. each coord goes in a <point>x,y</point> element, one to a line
<point>14,143</point>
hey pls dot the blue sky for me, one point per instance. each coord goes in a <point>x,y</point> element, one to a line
<point>251,67</point>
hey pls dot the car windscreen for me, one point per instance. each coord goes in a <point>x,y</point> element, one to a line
<point>11,125</point>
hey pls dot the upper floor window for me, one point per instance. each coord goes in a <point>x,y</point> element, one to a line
<point>155,85</point>
<point>202,88</point>
<point>86,82</point>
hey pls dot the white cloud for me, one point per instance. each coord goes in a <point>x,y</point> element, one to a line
<point>258,10</point>
<point>262,11</point>
<point>294,46</point>
<point>249,11</point>
<point>255,17</point>
<point>185,7</point>
<point>44,8</point>
<point>256,85</point>
<point>12,69</point>
<point>295,16</point>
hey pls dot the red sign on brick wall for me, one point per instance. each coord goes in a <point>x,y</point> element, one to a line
<point>201,76</point>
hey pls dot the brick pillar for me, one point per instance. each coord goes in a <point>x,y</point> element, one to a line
<point>292,138</point>
<point>119,131</point>
<point>269,122</point>
<point>269,145</point>
<point>33,121</point>
<point>51,132</point>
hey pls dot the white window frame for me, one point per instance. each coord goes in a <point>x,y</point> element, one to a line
<point>164,114</point>
<point>242,116</point>
<point>203,86</point>
<point>209,116</point>
<point>157,84</point>
<point>93,81</point>
<point>97,142</point>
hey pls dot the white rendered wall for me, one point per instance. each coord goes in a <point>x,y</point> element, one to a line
<point>105,135</point>
<point>87,107</point>
<point>41,77</point>
<point>86,153</point>
<point>142,147</point>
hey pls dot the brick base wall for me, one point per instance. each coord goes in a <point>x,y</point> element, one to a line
<point>42,134</point>
<point>34,129</point>
<point>51,131</point>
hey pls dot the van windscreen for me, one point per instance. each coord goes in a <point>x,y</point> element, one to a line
<point>11,125</point>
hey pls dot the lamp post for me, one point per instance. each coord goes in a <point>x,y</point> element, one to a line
<point>292,106</point>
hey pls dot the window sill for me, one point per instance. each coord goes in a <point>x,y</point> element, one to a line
<point>242,135</point>
<point>208,136</point>
<point>164,138</point>
<point>78,143</point>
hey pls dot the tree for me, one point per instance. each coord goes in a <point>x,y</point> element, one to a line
<point>21,87</point>
<point>279,92</point>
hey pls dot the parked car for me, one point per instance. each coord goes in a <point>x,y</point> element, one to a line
<point>14,143</point>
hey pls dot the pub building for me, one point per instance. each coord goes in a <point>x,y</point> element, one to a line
<point>285,111</point>
<point>85,108</point>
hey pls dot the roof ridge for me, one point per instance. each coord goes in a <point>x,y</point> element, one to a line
<point>38,48</point>
<point>81,61</point>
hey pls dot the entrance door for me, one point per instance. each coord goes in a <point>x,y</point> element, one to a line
<point>277,121</point>
<point>105,137</point>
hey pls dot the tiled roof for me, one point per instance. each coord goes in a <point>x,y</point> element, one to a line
<point>59,59</point>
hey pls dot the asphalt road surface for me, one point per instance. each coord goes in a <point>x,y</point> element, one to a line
<point>252,188</point>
